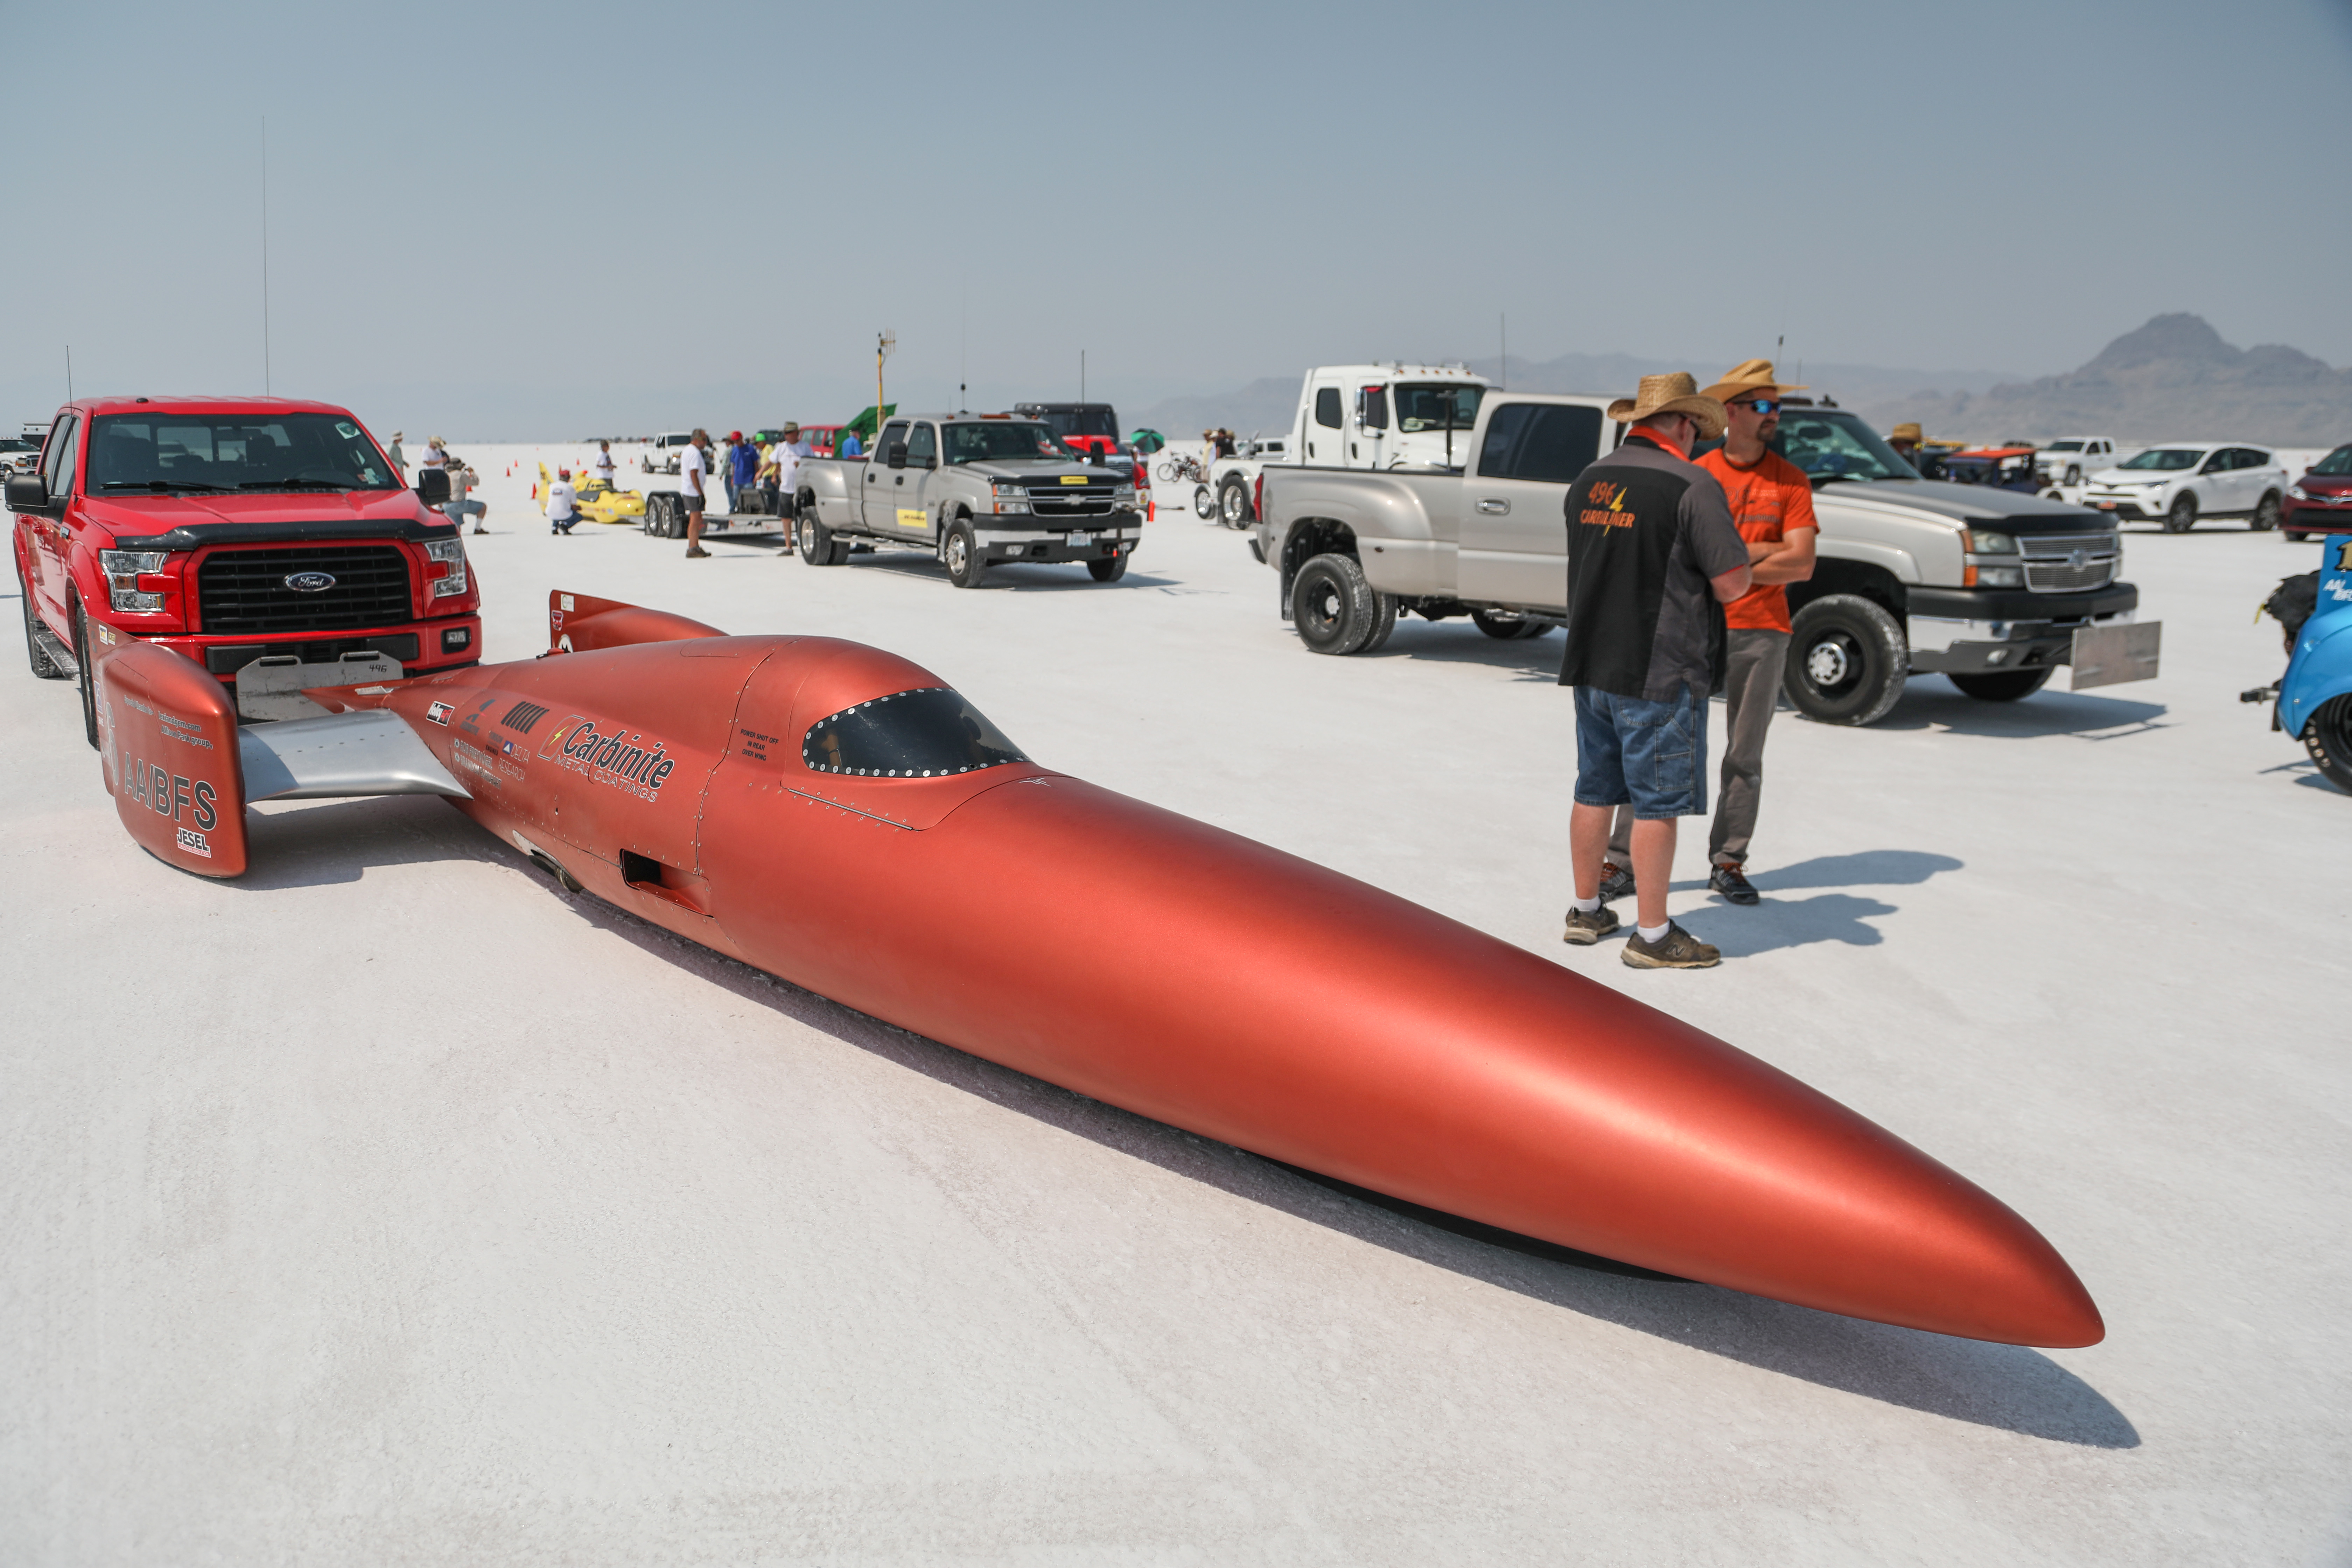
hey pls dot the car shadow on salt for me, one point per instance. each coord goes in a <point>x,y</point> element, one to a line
<point>1027,576</point>
<point>2012,1388</point>
<point>1931,702</point>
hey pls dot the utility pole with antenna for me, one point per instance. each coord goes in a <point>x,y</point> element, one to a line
<point>1082,375</point>
<point>69,373</point>
<point>884,342</point>
<point>264,255</point>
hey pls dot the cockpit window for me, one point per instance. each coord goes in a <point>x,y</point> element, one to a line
<point>930,733</point>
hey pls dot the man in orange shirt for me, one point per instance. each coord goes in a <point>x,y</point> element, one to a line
<point>1772,506</point>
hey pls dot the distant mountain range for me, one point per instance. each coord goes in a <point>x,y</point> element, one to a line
<point>2173,379</point>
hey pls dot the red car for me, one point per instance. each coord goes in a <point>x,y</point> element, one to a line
<point>2320,501</point>
<point>266,538</point>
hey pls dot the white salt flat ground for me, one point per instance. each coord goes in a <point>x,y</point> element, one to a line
<point>389,1207</point>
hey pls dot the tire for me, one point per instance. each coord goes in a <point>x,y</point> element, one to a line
<point>1502,630</point>
<point>86,681</point>
<point>1333,607</point>
<point>2327,736</point>
<point>1204,505</point>
<point>818,546</point>
<point>1234,503</point>
<point>1167,472</point>
<point>1384,621</point>
<point>2073,474</point>
<point>2266,515</point>
<point>1848,660</point>
<point>2181,516</point>
<point>1109,571</point>
<point>43,665</point>
<point>961,553</point>
<point>2004,685</point>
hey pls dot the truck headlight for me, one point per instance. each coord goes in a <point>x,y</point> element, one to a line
<point>1984,541</point>
<point>122,568</point>
<point>1124,493</point>
<point>451,553</point>
<point>2298,492</point>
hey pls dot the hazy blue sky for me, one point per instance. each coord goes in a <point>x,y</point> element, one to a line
<point>540,220</point>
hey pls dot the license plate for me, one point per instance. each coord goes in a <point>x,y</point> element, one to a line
<point>1082,539</point>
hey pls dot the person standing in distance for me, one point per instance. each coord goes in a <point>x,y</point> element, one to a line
<point>694,477</point>
<point>1652,560</point>
<point>1772,506</point>
<point>604,465</point>
<point>399,457</point>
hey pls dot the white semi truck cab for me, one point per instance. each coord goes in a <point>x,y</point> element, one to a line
<point>1391,415</point>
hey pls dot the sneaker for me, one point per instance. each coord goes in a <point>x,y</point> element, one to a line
<point>1616,881</point>
<point>1676,950</point>
<point>1584,930</point>
<point>697,554</point>
<point>1733,884</point>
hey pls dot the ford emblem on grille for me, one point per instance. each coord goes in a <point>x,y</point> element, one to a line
<point>309,581</point>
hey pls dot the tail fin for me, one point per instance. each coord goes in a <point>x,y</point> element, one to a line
<point>170,758</point>
<point>577,623</point>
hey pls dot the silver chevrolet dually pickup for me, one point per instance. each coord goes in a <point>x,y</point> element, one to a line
<point>975,489</point>
<point>1994,588</point>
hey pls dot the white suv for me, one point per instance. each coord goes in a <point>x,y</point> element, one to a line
<point>2181,482</point>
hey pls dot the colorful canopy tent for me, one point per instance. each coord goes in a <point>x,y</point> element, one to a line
<point>866,424</point>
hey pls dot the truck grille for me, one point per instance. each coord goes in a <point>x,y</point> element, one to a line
<point>2069,564</point>
<point>1056,500</point>
<point>245,590</point>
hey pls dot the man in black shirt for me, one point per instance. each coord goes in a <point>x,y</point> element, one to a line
<point>1652,557</point>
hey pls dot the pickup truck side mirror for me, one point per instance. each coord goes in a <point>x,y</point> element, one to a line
<point>432,486</point>
<point>27,493</point>
<point>894,454</point>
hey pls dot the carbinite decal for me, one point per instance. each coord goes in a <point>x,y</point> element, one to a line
<point>193,842</point>
<point>440,713</point>
<point>622,758</point>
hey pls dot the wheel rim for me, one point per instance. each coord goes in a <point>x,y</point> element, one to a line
<point>1833,664</point>
<point>1236,505</point>
<point>959,554</point>
<point>1204,503</point>
<point>2181,515</point>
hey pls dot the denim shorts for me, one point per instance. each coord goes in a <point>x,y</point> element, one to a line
<point>1651,754</point>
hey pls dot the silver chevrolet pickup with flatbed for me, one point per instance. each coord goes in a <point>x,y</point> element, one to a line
<point>1994,588</point>
<point>976,490</point>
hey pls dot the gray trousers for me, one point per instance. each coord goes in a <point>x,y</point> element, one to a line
<point>1752,690</point>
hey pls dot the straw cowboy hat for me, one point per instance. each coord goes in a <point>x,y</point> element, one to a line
<point>1675,393</point>
<point>1750,375</point>
<point>1905,433</point>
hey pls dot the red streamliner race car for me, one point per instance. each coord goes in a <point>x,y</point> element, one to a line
<point>783,799</point>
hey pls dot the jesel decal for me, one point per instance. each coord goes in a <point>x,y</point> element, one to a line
<point>624,760</point>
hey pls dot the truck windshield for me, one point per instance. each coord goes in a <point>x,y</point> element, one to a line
<point>2168,459</point>
<point>2066,446</point>
<point>998,441</point>
<point>930,733</point>
<point>228,452</point>
<point>1077,418</point>
<point>2340,461</point>
<point>1430,407</point>
<point>1831,444</point>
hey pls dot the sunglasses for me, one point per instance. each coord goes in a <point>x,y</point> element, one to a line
<point>1762,405</point>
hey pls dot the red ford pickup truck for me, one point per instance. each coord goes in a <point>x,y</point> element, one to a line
<point>271,541</point>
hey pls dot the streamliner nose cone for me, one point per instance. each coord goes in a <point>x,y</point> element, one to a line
<point>1303,1015</point>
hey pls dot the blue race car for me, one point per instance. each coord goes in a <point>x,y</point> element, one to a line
<point>2315,697</point>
